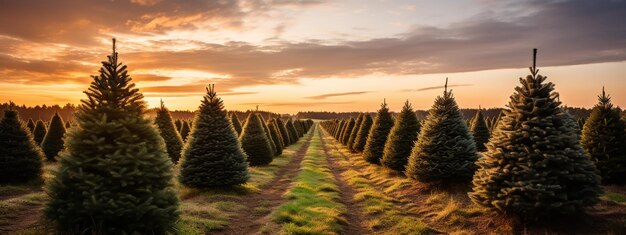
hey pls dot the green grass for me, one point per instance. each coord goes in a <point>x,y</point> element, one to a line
<point>615,197</point>
<point>314,205</point>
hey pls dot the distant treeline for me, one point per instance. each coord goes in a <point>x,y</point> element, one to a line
<point>45,112</point>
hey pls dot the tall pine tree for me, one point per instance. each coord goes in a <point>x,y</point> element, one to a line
<point>445,151</point>
<point>255,143</point>
<point>401,139</point>
<point>283,132</point>
<point>212,156</point>
<point>167,129</point>
<point>375,144</point>
<point>30,125</point>
<point>275,133</point>
<point>269,135</point>
<point>114,176</point>
<point>364,131</point>
<point>479,130</point>
<point>236,123</point>
<point>534,165</point>
<point>604,139</point>
<point>184,130</point>
<point>291,129</point>
<point>39,132</point>
<point>21,158</point>
<point>355,131</point>
<point>347,130</point>
<point>52,143</point>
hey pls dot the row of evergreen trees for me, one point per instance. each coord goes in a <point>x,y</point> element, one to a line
<point>115,173</point>
<point>535,162</point>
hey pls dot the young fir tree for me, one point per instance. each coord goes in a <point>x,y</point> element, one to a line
<point>212,156</point>
<point>291,129</point>
<point>269,135</point>
<point>364,130</point>
<point>255,143</point>
<point>178,125</point>
<point>604,139</point>
<point>445,151</point>
<point>52,143</point>
<point>401,139</point>
<point>39,132</point>
<point>347,130</point>
<point>236,123</point>
<point>275,133</point>
<point>377,137</point>
<point>339,130</point>
<point>30,125</point>
<point>165,125</point>
<point>114,176</point>
<point>184,130</point>
<point>283,132</point>
<point>534,165</point>
<point>21,158</point>
<point>479,130</point>
<point>355,131</point>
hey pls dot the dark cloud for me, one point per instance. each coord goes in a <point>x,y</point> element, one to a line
<point>324,96</point>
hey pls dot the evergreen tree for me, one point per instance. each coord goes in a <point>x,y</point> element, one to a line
<point>165,125</point>
<point>377,137</point>
<point>20,160</point>
<point>178,125</point>
<point>339,130</point>
<point>30,125</point>
<point>291,129</point>
<point>114,176</point>
<point>68,124</point>
<point>275,133</point>
<point>480,131</point>
<point>236,123</point>
<point>52,143</point>
<point>184,130</point>
<point>355,131</point>
<point>401,139</point>
<point>212,156</point>
<point>445,151</point>
<point>39,132</point>
<point>347,130</point>
<point>534,165</point>
<point>364,131</point>
<point>604,139</point>
<point>269,135</point>
<point>283,132</point>
<point>255,143</point>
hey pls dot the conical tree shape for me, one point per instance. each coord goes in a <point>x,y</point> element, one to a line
<point>283,132</point>
<point>236,123</point>
<point>534,165</point>
<point>339,130</point>
<point>255,143</point>
<point>178,125</point>
<point>445,151</point>
<point>20,160</point>
<point>269,135</point>
<point>275,133</point>
<point>167,129</point>
<point>401,139</point>
<point>347,130</point>
<point>480,131</point>
<point>604,139</point>
<point>52,143</point>
<point>291,129</point>
<point>212,156</point>
<point>184,130</point>
<point>30,125</point>
<point>114,176</point>
<point>39,132</point>
<point>355,131</point>
<point>375,144</point>
<point>495,122</point>
<point>364,131</point>
<point>68,124</point>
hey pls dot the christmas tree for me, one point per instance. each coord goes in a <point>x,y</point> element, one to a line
<point>479,130</point>
<point>275,134</point>
<point>212,156</point>
<point>53,141</point>
<point>269,135</point>
<point>445,151</point>
<point>114,176</point>
<point>255,143</point>
<point>355,131</point>
<point>21,158</point>
<point>347,130</point>
<point>604,139</point>
<point>31,125</point>
<point>236,123</point>
<point>339,130</point>
<point>39,132</point>
<point>283,132</point>
<point>375,144</point>
<point>184,130</point>
<point>178,125</point>
<point>291,129</point>
<point>364,131</point>
<point>167,129</point>
<point>401,139</point>
<point>534,165</point>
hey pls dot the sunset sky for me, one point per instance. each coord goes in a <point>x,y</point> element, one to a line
<point>313,55</point>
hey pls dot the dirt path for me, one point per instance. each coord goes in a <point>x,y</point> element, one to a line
<point>24,219</point>
<point>354,217</point>
<point>249,221</point>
